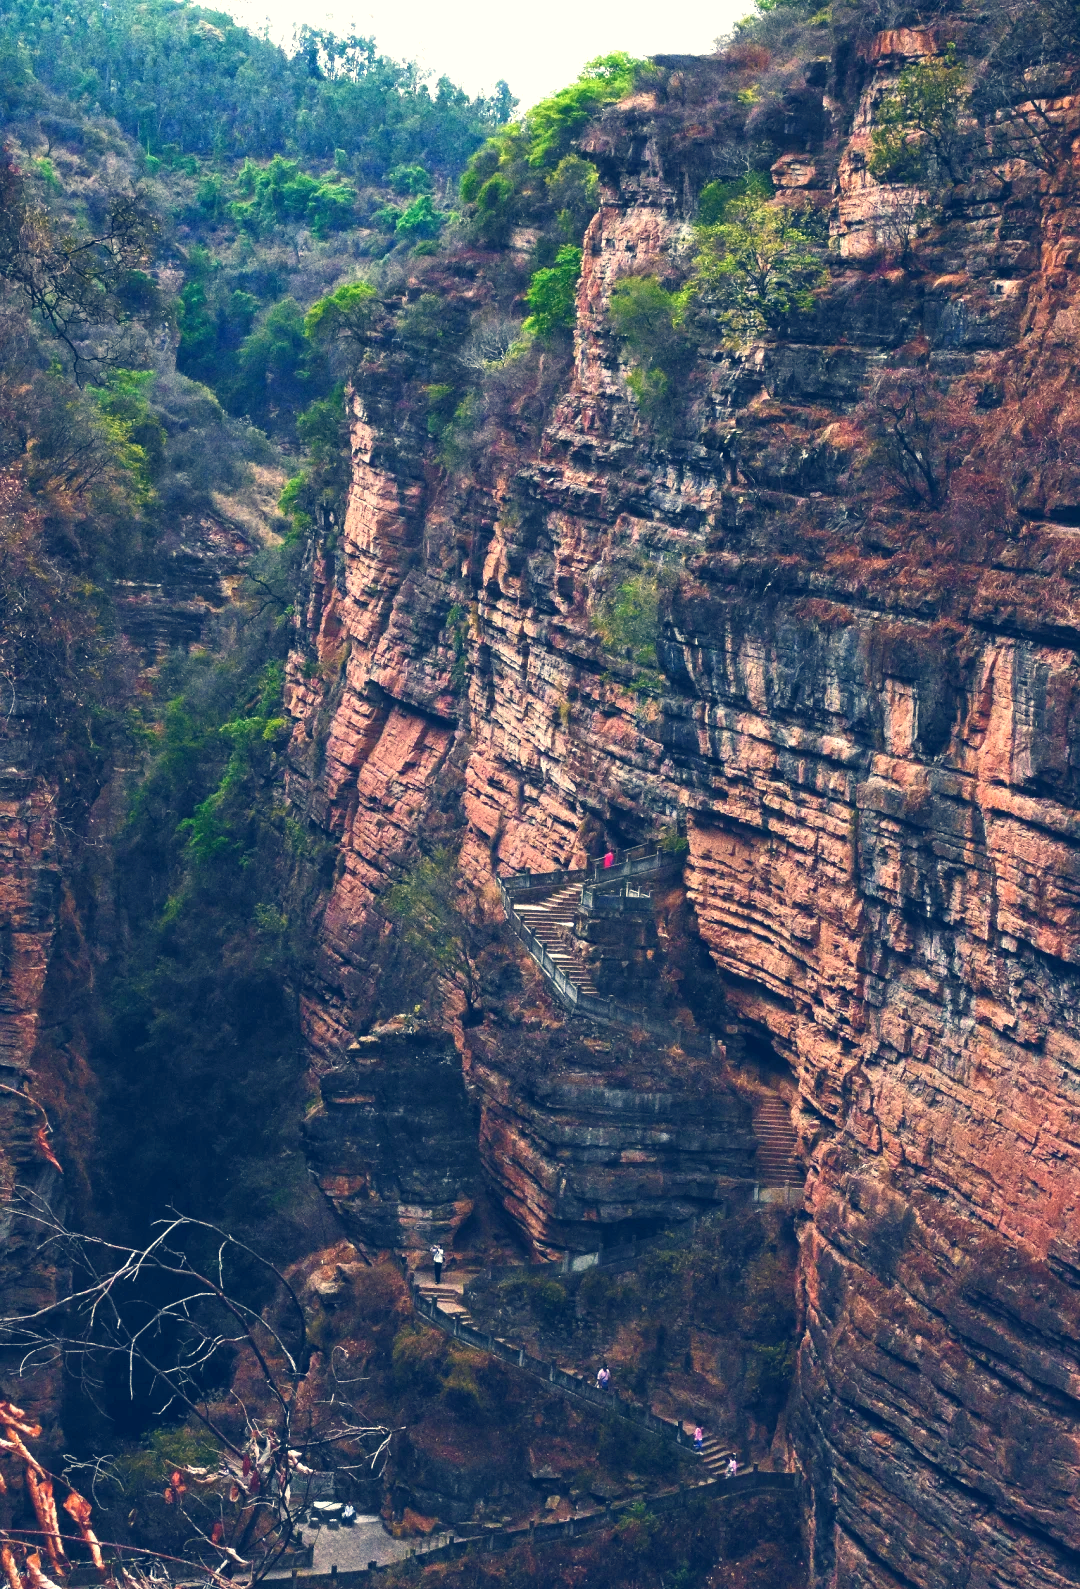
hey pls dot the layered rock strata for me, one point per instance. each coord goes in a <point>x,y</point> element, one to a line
<point>869,724</point>
<point>393,1144</point>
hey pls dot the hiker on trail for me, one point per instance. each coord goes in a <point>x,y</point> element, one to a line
<point>609,858</point>
<point>603,1378</point>
<point>437,1260</point>
<point>699,1436</point>
<point>732,1467</point>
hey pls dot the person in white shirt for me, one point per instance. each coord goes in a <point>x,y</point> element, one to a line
<point>437,1259</point>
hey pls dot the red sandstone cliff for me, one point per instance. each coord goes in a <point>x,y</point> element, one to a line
<point>869,724</point>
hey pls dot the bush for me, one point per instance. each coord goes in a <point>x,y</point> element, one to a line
<point>647,319</point>
<point>758,267</point>
<point>419,1357</point>
<point>716,196</point>
<point>917,135</point>
<point>552,294</point>
<point>420,220</point>
<point>552,1305</point>
<point>629,620</point>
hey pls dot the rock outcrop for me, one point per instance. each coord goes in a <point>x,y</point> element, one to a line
<point>393,1144</point>
<point>868,725</point>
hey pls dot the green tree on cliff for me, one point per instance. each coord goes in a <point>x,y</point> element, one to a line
<point>428,908</point>
<point>917,136</point>
<point>759,266</point>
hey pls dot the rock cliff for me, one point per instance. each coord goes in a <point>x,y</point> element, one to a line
<point>868,725</point>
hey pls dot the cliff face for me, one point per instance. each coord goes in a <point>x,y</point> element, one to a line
<point>869,724</point>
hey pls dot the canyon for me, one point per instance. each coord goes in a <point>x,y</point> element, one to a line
<point>860,742</point>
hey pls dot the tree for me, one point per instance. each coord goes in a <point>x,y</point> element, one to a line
<point>182,1321</point>
<point>921,433</point>
<point>428,909</point>
<point>552,294</point>
<point>759,266</point>
<point>917,135</point>
<point>346,314</point>
<point>75,282</point>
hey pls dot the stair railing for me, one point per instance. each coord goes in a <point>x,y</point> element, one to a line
<point>607,1011</point>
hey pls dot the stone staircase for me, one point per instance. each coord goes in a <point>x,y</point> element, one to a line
<point>448,1297</point>
<point>552,922</point>
<point>777,1162</point>
<point>715,1456</point>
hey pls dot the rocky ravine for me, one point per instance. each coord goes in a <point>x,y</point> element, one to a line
<point>872,738</point>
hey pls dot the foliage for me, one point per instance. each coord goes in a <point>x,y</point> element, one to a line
<point>917,134</point>
<point>515,176</point>
<point>758,267</point>
<point>278,369</point>
<point>628,621</point>
<point>648,320</point>
<point>348,312</point>
<point>554,123</point>
<point>716,196</point>
<point>200,1039</point>
<point>281,192</point>
<point>552,294</point>
<point>438,923</point>
<point>324,481</point>
<point>74,280</point>
<point>920,432</point>
<point>185,80</point>
<point>410,179</point>
<point>420,220</point>
<point>573,189</point>
<point>133,429</point>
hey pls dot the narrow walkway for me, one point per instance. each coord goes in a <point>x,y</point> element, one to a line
<point>450,1311</point>
<point>552,921</point>
<point>777,1160</point>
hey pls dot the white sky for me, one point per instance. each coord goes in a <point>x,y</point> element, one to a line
<point>538,47</point>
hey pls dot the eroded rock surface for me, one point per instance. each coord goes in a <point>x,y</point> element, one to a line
<point>869,727</point>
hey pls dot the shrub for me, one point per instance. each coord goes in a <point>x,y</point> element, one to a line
<point>347,312</point>
<point>551,1305</point>
<point>552,294</point>
<point>647,320</point>
<point>716,196</point>
<point>629,619</point>
<point>419,1357</point>
<point>572,188</point>
<point>420,220</point>
<point>410,179</point>
<point>917,135</point>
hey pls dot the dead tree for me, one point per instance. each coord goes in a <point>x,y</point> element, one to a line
<point>243,1506</point>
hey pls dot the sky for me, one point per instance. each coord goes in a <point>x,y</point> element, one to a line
<point>537,48</point>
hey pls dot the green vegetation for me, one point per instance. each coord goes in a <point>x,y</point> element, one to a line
<point>347,312</point>
<point>552,294</point>
<point>648,320</point>
<point>439,922</point>
<point>716,196</point>
<point>758,267</point>
<point>520,177</point>
<point>190,85</point>
<point>201,1041</point>
<point>628,621</point>
<point>916,136</point>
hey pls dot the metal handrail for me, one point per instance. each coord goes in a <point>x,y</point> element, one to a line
<point>609,1012</point>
